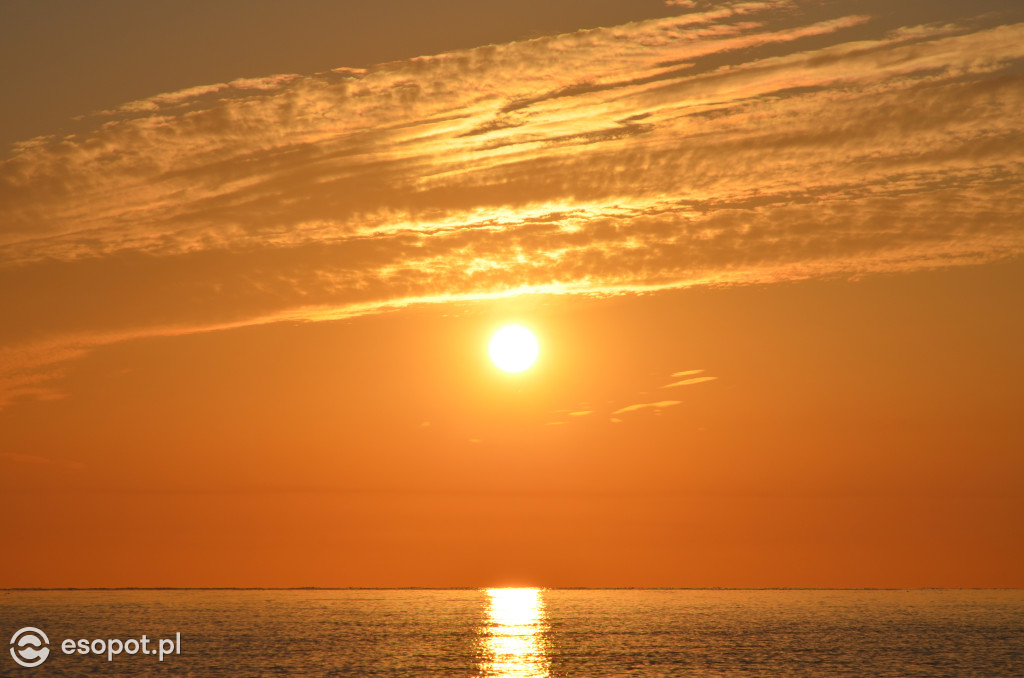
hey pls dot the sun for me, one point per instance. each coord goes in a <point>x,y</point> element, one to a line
<point>514,348</point>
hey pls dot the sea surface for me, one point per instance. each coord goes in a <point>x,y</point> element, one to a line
<point>523,632</point>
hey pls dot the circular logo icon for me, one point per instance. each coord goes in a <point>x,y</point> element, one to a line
<point>30,646</point>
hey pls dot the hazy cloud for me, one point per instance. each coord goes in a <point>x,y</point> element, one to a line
<point>26,458</point>
<point>733,143</point>
<point>643,406</point>
<point>688,382</point>
<point>36,460</point>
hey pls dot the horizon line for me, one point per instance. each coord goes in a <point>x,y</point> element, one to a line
<point>485,588</point>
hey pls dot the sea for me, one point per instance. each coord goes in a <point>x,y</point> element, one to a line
<point>510,632</point>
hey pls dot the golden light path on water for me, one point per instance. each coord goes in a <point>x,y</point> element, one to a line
<point>513,640</point>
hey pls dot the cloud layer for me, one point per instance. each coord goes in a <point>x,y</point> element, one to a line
<point>739,143</point>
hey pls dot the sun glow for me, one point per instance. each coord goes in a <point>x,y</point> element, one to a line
<point>514,348</point>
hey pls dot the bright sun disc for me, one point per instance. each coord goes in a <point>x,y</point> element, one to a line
<point>514,348</point>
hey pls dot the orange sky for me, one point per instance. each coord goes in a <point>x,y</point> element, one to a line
<point>771,251</point>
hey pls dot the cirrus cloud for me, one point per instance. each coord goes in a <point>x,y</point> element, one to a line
<point>730,144</point>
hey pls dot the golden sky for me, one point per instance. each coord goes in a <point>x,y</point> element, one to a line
<point>771,251</point>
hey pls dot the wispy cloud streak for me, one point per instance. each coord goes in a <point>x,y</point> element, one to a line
<point>734,143</point>
<point>660,405</point>
<point>689,382</point>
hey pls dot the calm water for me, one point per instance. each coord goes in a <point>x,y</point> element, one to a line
<point>529,632</point>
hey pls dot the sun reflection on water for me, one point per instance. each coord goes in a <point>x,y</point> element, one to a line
<point>513,640</point>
